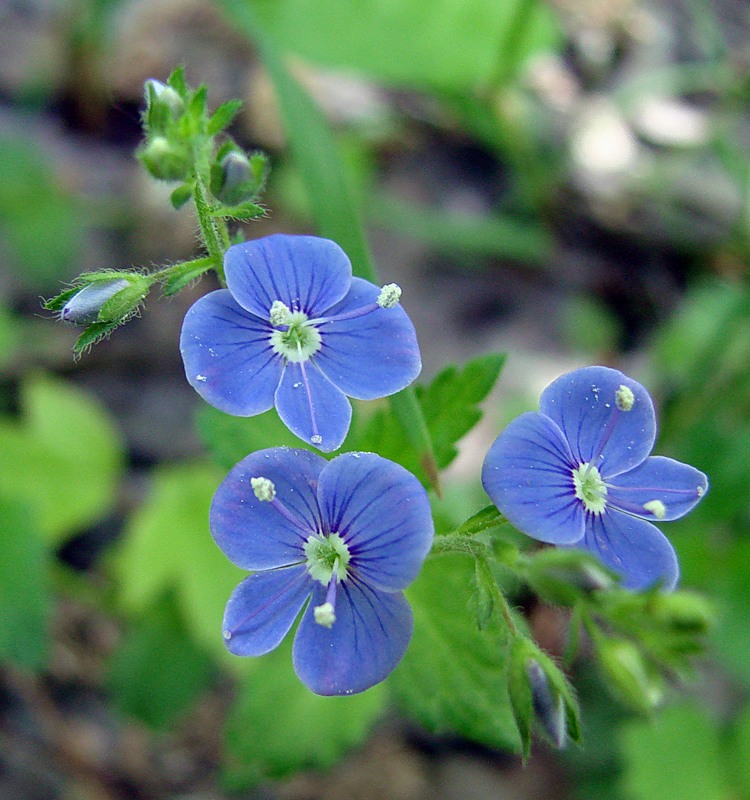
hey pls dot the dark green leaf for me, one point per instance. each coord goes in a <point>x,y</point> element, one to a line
<point>24,597</point>
<point>278,726</point>
<point>452,678</point>
<point>93,334</point>
<point>243,211</point>
<point>157,671</point>
<point>178,282</point>
<point>484,520</point>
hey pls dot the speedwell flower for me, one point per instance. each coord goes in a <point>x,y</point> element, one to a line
<point>578,472</point>
<point>294,329</point>
<point>341,539</point>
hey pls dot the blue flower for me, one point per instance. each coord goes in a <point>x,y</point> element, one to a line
<point>294,329</point>
<point>578,472</point>
<point>343,538</point>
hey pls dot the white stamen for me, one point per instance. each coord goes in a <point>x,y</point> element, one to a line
<point>624,398</point>
<point>656,507</point>
<point>325,615</point>
<point>263,489</point>
<point>389,295</point>
<point>279,314</point>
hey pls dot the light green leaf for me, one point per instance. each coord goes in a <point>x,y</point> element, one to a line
<point>278,726</point>
<point>167,545</point>
<point>445,44</point>
<point>452,678</point>
<point>157,671</point>
<point>24,600</point>
<point>63,457</point>
<point>677,755</point>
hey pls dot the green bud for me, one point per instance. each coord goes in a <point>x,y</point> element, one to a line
<point>629,675</point>
<point>562,576</point>
<point>158,93</point>
<point>235,178</point>
<point>105,299</point>
<point>549,707</point>
<point>683,612</point>
<point>165,160</point>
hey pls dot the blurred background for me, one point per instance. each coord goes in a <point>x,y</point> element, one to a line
<point>567,181</point>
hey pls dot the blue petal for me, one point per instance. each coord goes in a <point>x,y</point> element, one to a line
<point>637,550</point>
<point>528,475</point>
<point>383,514</point>
<point>677,486</point>
<point>371,356</point>
<point>254,534</point>
<point>312,407</point>
<point>369,637</point>
<point>582,403</point>
<point>262,608</point>
<point>227,356</point>
<point>305,273</point>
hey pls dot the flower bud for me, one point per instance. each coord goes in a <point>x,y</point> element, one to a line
<point>562,576</point>
<point>233,180</point>
<point>165,160</point>
<point>105,300</point>
<point>549,706</point>
<point>158,93</point>
<point>683,612</point>
<point>636,683</point>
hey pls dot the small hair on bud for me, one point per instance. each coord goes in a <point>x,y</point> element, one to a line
<point>389,295</point>
<point>263,489</point>
<point>325,615</point>
<point>279,314</point>
<point>624,398</point>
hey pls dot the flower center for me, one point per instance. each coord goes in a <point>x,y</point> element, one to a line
<point>590,488</point>
<point>326,555</point>
<point>299,341</point>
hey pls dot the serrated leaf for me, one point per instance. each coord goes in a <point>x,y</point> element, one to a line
<point>451,402</point>
<point>223,116</point>
<point>24,596</point>
<point>450,405</point>
<point>278,726</point>
<point>453,676</point>
<point>167,545</point>
<point>63,457</point>
<point>157,671</point>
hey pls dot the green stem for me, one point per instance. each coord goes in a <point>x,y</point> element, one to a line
<point>212,239</point>
<point>498,598</point>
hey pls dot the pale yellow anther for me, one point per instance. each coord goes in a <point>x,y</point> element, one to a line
<point>325,615</point>
<point>263,489</point>
<point>656,507</point>
<point>624,398</point>
<point>389,295</point>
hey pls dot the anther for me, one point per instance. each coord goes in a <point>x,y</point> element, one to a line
<point>389,295</point>
<point>325,615</point>
<point>279,314</point>
<point>624,398</point>
<point>656,507</point>
<point>263,489</point>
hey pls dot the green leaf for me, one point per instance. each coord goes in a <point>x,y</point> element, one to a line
<point>24,596</point>
<point>167,545</point>
<point>740,749</point>
<point>241,211</point>
<point>63,457</point>
<point>157,671</point>
<point>484,520</point>
<point>278,726</point>
<point>446,44</point>
<point>229,439</point>
<point>93,334</point>
<point>189,274</point>
<point>223,116</point>
<point>450,405</point>
<point>181,195</point>
<point>678,755</point>
<point>452,678</point>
